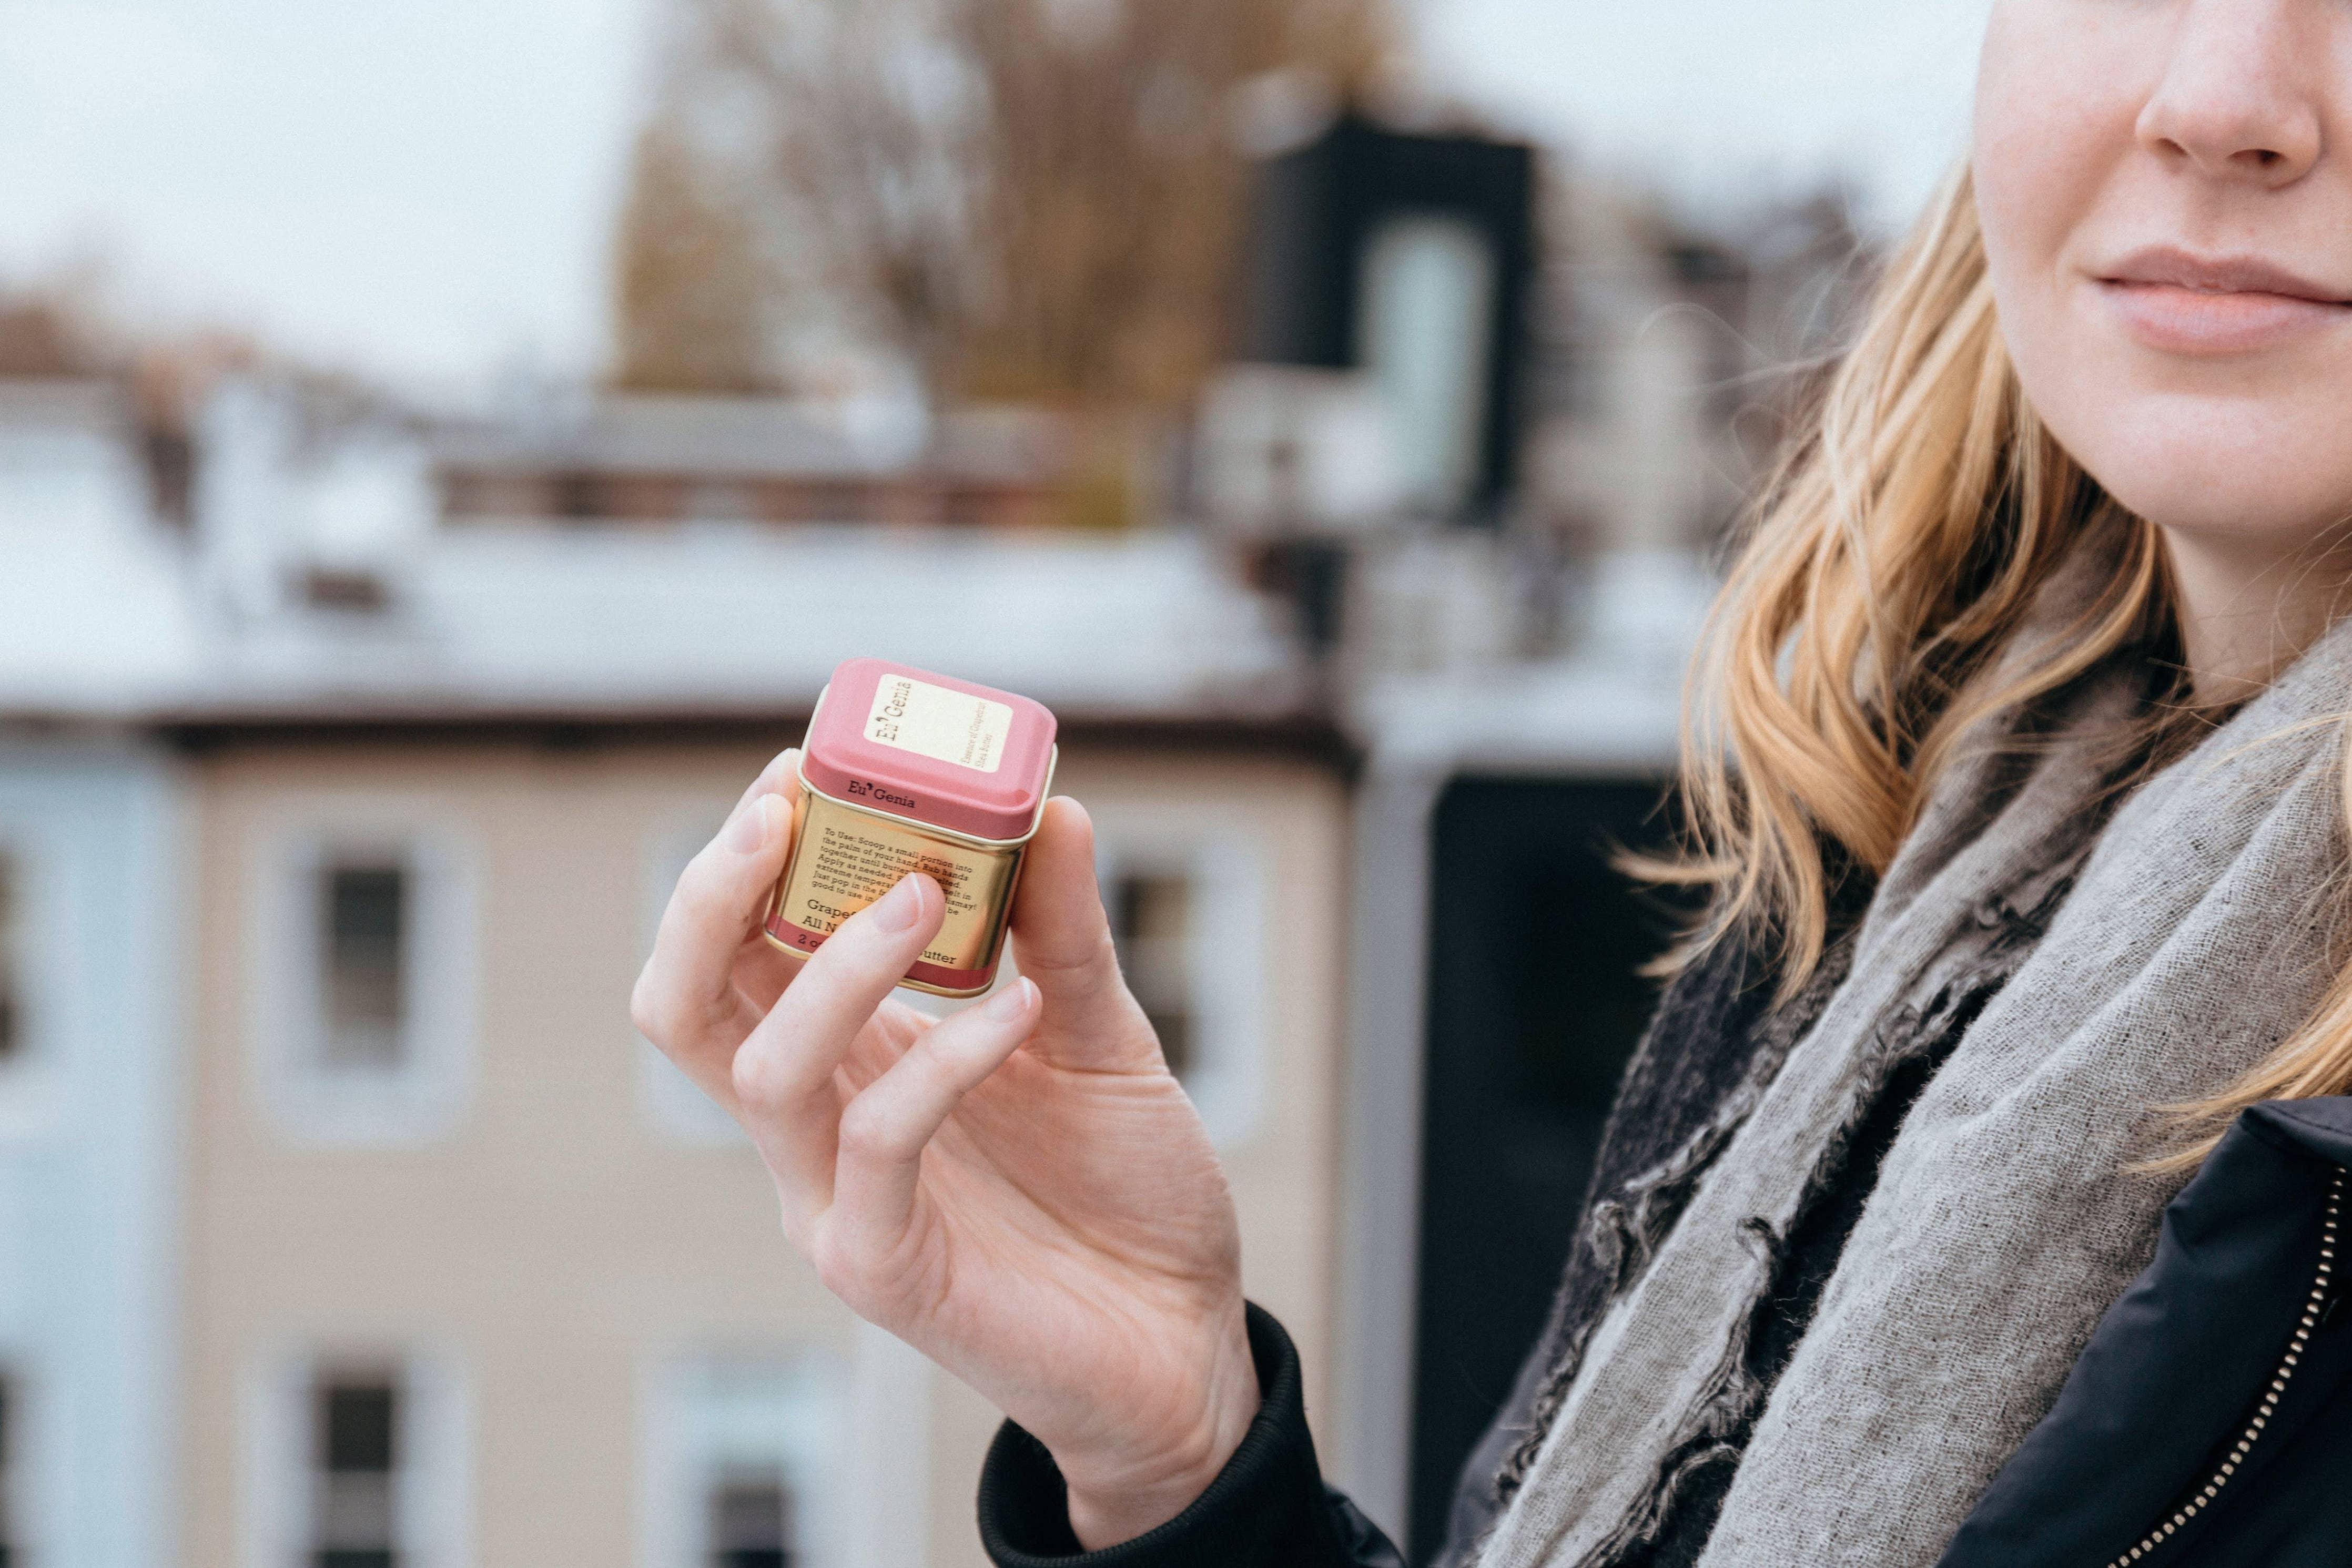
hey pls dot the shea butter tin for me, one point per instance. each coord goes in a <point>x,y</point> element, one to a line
<point>903,771</point>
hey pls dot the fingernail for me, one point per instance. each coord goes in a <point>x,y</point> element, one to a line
<point>753,825</point>
<point>899,908</point>
<point>1011,1002</point>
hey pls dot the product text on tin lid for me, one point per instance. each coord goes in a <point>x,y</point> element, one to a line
<point>934,722</point>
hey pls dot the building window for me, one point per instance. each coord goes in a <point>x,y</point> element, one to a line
<point>35,1090</point>
<point>364,953</point>
<point>1428,294</point>
<point>751,1523</point>
<point>13,1023</point>
<point>1187,906</point>
<point>364,911</point>
<point>356,1457</point>
<point>355,1449</point>
<point>12,1548</point>
<point>1152,924</point>
<point>745,1463</point>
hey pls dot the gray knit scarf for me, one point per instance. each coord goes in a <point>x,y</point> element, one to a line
<point>2006,1216</point>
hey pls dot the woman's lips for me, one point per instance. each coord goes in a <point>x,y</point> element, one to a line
<point>2182,304</point>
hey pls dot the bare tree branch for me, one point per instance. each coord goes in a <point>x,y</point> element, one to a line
<point>1033,198</point>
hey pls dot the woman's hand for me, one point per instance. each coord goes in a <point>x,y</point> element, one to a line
<point>1020,1191</point>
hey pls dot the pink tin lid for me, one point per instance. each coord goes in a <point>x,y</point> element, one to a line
<point>962,757</point>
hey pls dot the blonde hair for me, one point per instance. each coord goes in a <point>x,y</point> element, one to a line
<point>1868,624</point>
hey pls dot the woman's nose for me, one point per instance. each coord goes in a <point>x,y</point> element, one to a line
<point>2241,95</point>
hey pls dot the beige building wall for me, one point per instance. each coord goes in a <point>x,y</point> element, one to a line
<point>554,1243</point>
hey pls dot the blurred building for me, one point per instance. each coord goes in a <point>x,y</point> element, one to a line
<point>1665,359</point>
<point>336,827</point>
<point>347,753</point>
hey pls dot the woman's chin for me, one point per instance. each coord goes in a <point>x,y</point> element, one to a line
<point>2239,516</point>
<point>2258,469</point>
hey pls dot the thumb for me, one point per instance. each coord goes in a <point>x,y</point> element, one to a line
<point>1062,940</point>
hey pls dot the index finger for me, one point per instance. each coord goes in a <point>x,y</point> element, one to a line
<point>781,770</point>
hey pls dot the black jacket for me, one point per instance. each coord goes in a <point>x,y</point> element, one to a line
<point>2206,1423</point>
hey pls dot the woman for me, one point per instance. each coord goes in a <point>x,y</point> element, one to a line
<point>2034,831</point>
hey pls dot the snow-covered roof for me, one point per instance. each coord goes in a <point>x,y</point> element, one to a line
<point>627,621</point>
<point>94,608</point>
<point>317,583</point>
<point>105,614</point>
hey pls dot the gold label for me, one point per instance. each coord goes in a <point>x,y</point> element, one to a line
<point>932,721</point>
<point>843,859</point>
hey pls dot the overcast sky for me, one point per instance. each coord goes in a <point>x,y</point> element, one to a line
<point>423,189</point>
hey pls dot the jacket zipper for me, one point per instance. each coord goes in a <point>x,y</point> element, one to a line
<point>2319,1301</point>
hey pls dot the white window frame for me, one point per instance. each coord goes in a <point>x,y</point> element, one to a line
<point>683,1440</point>
<point>673,1107</point>
<point>33,1084</point>
<point>433,1498</point>
<point>425,1097</point>
<point>1226,938</point>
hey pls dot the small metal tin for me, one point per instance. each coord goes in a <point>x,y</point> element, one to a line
<point>902,771</point>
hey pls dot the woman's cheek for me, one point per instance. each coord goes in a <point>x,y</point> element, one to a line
<point>2013,156</point>
<point>2059,92</point>
<point>2057,100</point>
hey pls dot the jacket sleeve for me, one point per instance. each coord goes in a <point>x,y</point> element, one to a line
<point>1268,1508</point>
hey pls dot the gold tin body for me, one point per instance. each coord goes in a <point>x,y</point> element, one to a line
<point>846,856</point>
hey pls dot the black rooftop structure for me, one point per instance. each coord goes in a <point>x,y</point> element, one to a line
<point>1313,211</point>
